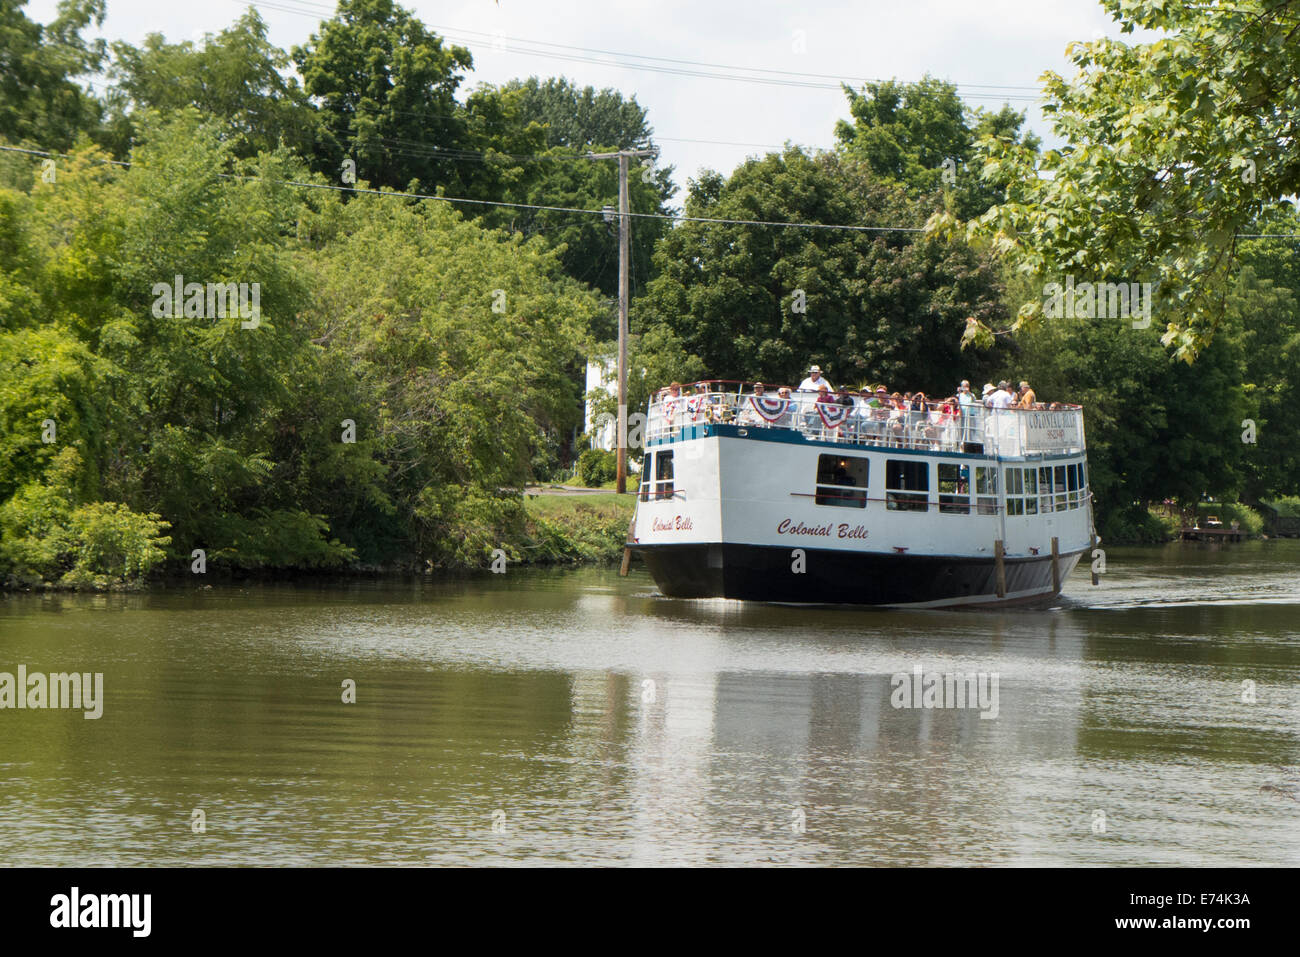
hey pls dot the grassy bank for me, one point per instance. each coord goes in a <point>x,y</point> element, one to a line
<point>1155,525</point>
<point>571,529</point>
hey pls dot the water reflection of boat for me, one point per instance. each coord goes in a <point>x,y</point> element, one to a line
<point>793,500</point>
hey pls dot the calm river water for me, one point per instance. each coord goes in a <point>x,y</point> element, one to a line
<point>576,717</point>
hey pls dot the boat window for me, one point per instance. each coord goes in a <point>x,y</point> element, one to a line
<point>1058,485</point>
<point>1072,476</point>
<point>1015,479</point>
<point>954,489</point>
<point>842,481</point>
<point>1015,486</point>
<point>986,490</point>
<point>907,485</point>
<point>646,464</point>
<point>664,475</point>
<point>1045,488</point>
<point>1031,491</point>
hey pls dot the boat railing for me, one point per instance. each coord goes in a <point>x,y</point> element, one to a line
<point>944,427</point>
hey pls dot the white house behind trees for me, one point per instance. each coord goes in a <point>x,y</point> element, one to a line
<point>602,376</point>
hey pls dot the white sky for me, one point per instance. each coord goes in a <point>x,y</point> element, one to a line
<point>990,43</point>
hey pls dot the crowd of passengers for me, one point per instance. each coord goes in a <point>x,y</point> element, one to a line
<point>872,415</point>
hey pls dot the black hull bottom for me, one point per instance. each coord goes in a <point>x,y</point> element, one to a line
<point>765,573</point>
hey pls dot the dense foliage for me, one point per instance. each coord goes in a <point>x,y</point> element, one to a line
<point>1175,149</point>
<point>923,137</point>
<point>414,363</point>
<point>40,99</point>
<point>765,302</point>
<point>381,408</point>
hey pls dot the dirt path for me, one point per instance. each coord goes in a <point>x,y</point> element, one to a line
<point>566,490</point>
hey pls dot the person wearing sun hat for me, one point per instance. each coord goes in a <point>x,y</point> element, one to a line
<point>809,387</point>
<point>749,414</point>
<point>815,381</point>
<point>1002,399</point>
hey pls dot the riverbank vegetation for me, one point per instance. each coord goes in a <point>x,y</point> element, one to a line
<point>410,364</point>
<point>566,529</point>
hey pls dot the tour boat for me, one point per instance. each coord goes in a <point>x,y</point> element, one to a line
<point>765,498</point>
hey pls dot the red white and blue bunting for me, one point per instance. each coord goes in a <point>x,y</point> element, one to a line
<point>770,409</point>
<point>832,413</point>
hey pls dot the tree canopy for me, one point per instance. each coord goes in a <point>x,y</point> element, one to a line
<point>575,121</point>
<point>416,361</point>
<point>763,302</point>
<point>237,75</point>
<point>381,414</point>
<point>386,85</point>
<point>583,118</point>
<point>1175,149</point>
<point>922,136</point>
<point>41,101</point>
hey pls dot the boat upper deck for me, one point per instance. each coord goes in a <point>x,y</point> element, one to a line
<point>859,419</point>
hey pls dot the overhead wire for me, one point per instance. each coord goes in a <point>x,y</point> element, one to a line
<point>674,217</point>
<point>675,65</point>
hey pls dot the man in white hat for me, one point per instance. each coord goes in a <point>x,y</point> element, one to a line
<point>1001,397</point>
<point>815,381</point>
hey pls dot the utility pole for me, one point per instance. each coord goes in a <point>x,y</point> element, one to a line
<point>624,243</point>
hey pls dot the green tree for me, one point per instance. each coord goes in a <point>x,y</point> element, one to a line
<point>236,76</point>
<point>177,415</point>
<point>40,100</point>
<point>587,244</point>
<point>922,136</point>
<point>573,121</point>
<point>1157,428</point>
<point>45,535</point>
<point>905,131</point>
<point>878,305</point>
<point>1174,149</point>
<point>386,85</point>
<point>1266,302</point>
<point>584,118</point>
<point>1268,316</point>
<point>463,342</point>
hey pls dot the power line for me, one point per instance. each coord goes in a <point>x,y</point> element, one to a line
<point>712,75</point>
<point>464,120</point>
<point>500,203</point>
<point>682,139</point>
<point>561,209</point>
<point>324,12</point>
<point>698,63</point>
<point>19,149</point>
<point>760,75</point>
